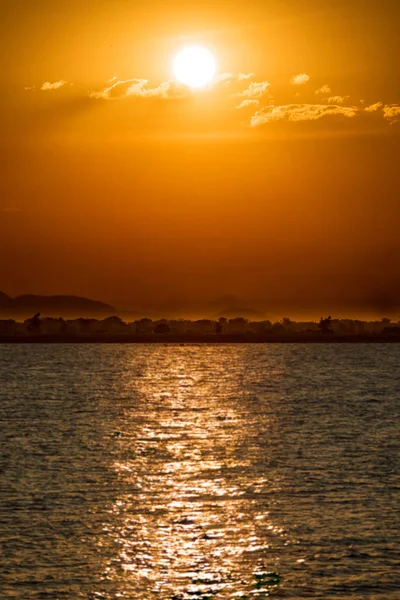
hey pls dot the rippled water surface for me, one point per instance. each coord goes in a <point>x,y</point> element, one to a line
<point>199,472</point>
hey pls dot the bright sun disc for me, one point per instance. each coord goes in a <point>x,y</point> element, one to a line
<point>194,66</point>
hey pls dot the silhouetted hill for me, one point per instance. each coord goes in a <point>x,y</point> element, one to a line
<point>232,313</point>
<point>5,300</point>
<point>58,306</point>
<point>230,307</point>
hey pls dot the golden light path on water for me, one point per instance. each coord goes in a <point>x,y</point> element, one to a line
<point>192,519</point>
<point>169,472</point>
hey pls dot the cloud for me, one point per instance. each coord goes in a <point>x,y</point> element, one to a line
<point>30,88</point>
<point>324,90</point>
<point>337,99</point>
<point>167,89</point>
<point>239,87</point>
<point>121,88</point>
<point>299,112</point>
<point>248,103</point>
<point>48,86</point>
<point>374,107</point>
<point>255,90</point>
<point>391,112</point>
<point>244,76</point>
<point>300,79</point>
<point>227,78</point>
<point>140,88</point>
<point>117,89</point>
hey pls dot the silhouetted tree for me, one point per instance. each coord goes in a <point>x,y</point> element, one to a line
<point>162,328</point>
<point>112,324</point>
<point>86,326</point>
<point>220,325</point>
<point>33,324</point>
<point>325,325</point>
<point>392,330</point>
<point>204,326</point>
<point>7,326</point>
<point>278,327</point>
<point>264,327</point>
<point>144,326</point>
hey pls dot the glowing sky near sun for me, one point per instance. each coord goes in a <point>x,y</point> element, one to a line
<point>165,155</point>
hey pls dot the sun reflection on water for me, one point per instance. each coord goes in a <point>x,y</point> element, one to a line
<point>191,519</point>
<point>140,472</point>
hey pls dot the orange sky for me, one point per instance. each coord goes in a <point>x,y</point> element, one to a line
<point>278,183</point>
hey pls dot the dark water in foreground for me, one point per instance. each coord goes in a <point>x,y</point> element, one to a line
<point>199,472</point>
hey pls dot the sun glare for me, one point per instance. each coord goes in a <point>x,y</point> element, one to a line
<point>194,66</point>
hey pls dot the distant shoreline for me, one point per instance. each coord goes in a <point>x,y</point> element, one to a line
<point>301,338</point>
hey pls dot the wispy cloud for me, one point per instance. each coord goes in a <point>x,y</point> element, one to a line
<point>120,88</point>
<point>300,79</point>
<point>245,76</point>
<point>299,112</point>
<point>249,95</point>
<point>117,89</point>
<point>141,88</point>
<point>228,78</point>
<point>324,90</point>
<point>391,112</point>
<point>248,103</point>
<point>374,107</point>
<point>49,86</point>
<point>255,90</point>
<point>166,90</point>
<point>337,99</point>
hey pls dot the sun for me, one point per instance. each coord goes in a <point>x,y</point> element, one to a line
<point>194,66</point>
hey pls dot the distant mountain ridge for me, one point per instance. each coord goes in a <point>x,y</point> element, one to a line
<point>59,306</point>
<point>231,306</point>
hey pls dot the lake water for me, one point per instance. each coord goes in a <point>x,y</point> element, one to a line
<point>199,472</point>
